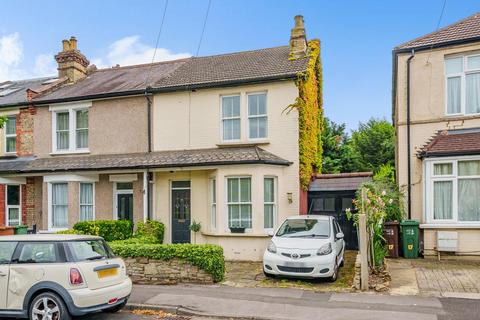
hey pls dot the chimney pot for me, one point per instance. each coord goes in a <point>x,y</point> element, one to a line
<point>73,43</point>
<point>66,45</point>
<point>72,64</point>
<point>298,39</point>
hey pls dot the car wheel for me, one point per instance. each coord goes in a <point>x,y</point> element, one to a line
<point>48,306</point>
<point>268,275</point>
<point>334,276</point>
<point>342,263</point>
<point>115,309</point>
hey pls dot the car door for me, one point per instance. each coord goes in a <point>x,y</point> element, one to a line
<point>6,251</point>
<point>338,242</point>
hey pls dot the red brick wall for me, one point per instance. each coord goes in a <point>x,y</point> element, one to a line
<point>25,131</point>
<point>303,201</point>
<point>28,202</point>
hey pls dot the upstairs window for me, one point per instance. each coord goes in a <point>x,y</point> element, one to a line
<point>70,129</point>
<point>257,116</point>
<point>11,135</point>
<point>231,117</point>
<point>463,85</point>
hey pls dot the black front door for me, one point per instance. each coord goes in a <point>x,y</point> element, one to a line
<point>125,206</point>
<point>334,204</point>
<point>180,211</point>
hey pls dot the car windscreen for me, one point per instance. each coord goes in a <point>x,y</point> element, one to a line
<point>6,251</point>
<point>90,250</point>
<point>304,228</point>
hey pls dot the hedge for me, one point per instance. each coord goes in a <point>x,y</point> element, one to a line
<point>207,257</point>
<point>151,228</point>
<point>110,230</point>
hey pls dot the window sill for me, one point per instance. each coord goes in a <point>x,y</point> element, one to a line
<point>450,225</point>
<point>225,234</point>
<point>243,143</point>
<point>60,153</point>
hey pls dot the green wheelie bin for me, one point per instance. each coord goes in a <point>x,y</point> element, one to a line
<point>410,230</point>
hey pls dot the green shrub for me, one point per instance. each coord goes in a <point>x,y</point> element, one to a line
<point>151,229</point>
<point>110,230</point>
<point>205,256</point>
<point>70,232</point>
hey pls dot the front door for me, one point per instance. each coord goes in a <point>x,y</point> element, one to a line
<point>180,211</point>
<point>125,206</point>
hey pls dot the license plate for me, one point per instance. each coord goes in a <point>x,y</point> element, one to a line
<point>294,264</point>
<point>107,273</point>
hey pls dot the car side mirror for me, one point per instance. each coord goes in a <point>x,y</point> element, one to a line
<point>270,233</point>
<point>339,235</point>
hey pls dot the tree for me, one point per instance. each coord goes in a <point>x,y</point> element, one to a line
<point>338,155</point>
<point>374,144</point>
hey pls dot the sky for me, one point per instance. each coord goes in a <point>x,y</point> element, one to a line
<point>357,37</point>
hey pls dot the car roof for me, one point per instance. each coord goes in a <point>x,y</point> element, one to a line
<point>310,216</point>
<point>47,237</point>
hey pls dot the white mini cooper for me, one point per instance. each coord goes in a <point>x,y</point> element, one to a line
<point>307,247</point>
<point>45,277</point>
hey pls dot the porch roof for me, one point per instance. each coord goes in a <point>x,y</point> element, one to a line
<point>452,143</point>
<point>339,181</point>
<point>159,159</point>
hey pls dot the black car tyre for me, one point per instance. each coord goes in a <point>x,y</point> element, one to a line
<point>48,306</point>
<point>268,275</point>
<point>334,276</point>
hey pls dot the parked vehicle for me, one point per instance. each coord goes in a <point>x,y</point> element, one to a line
<point>307,247</point>
<point>57,276</point>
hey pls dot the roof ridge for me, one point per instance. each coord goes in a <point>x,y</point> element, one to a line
<point>437,31</point>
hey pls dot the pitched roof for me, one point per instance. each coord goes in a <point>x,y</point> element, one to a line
<point>452,142</point>
<point>14,92</point>
<point>464,30</point>
<point>190,73</point>
<point>160,159</point>
<point>339,181</point>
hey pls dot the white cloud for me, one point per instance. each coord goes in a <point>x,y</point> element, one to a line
<point>45,65</point>
<point>130,50</point>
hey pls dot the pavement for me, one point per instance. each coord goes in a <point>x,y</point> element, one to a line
<point>287,303</point>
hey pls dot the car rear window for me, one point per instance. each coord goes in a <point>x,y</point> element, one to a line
<point>6,251</point>
<point>90,250</point>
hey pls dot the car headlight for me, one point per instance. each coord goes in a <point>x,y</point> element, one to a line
<point>272,247</point>
<point>325,249</point>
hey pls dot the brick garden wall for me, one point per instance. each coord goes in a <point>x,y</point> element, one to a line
<point>158,272</point>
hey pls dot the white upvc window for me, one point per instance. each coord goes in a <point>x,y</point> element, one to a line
<point>70,128</point>
<point>231,118</point>
<point>58,211</point>
<point>453,190</point>
<point>462,85</point>
<point>13,209</point>
<point>213,203</point>
<point>257,116</point>
<point>87,201</point>
<point>11,134</point>
<point>269,202</point>
<point>239,202</point>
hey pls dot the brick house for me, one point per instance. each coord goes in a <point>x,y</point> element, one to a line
<point>203,139</point>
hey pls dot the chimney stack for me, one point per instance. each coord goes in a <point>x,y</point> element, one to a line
<point>298,39</point>
<point>72,64</point>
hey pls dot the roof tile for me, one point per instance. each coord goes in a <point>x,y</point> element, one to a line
<point>452,142</point>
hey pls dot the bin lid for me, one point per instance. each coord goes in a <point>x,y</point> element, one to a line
<point>409,223</point>
<point>391,223</point>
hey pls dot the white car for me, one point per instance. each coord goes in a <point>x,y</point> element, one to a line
<point>54,277</point>
<point>308,246</point>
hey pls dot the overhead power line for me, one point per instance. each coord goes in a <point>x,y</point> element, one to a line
<point>203,28</point>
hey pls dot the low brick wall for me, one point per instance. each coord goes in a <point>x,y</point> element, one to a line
<point>150,271</point>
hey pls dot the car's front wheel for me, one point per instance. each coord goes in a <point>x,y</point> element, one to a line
<point>334,276</point>
<point>48,306</point>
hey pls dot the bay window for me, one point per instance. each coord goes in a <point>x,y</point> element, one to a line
<point>213,203</point>
<point>453,190</point>
<point>59,205</point>
<point>13,210</point>
<point>86,202</point>
<point>462,85</point>
<point>239,202</point>
<point>269,202</point>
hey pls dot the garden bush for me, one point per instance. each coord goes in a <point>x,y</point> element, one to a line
<point>151,229</point>
<point>110,230</point>
<point>205,256</point>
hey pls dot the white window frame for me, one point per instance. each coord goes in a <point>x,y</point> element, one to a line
<point>227,203</point>
<point>274,203</point>
<point>430,178</point>
<point>265,115</point>
<point>11,135</point>
<point>213,203</point>
<point>463,84</point>
<point>72,126</point>
<point>222,119</point>
<point>50,207</point>
<point>19,206</point>
<point>80,204</point>
<point>117,192</point>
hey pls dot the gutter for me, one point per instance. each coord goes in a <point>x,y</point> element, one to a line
<point>438,45</point>
<point>409,164</point>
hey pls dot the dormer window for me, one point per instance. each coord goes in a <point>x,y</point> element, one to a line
<point>462,85</point>
<point>70,128</point>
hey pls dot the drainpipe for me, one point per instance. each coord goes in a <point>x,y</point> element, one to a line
<point>147,174</point>
<point>409,164</point>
